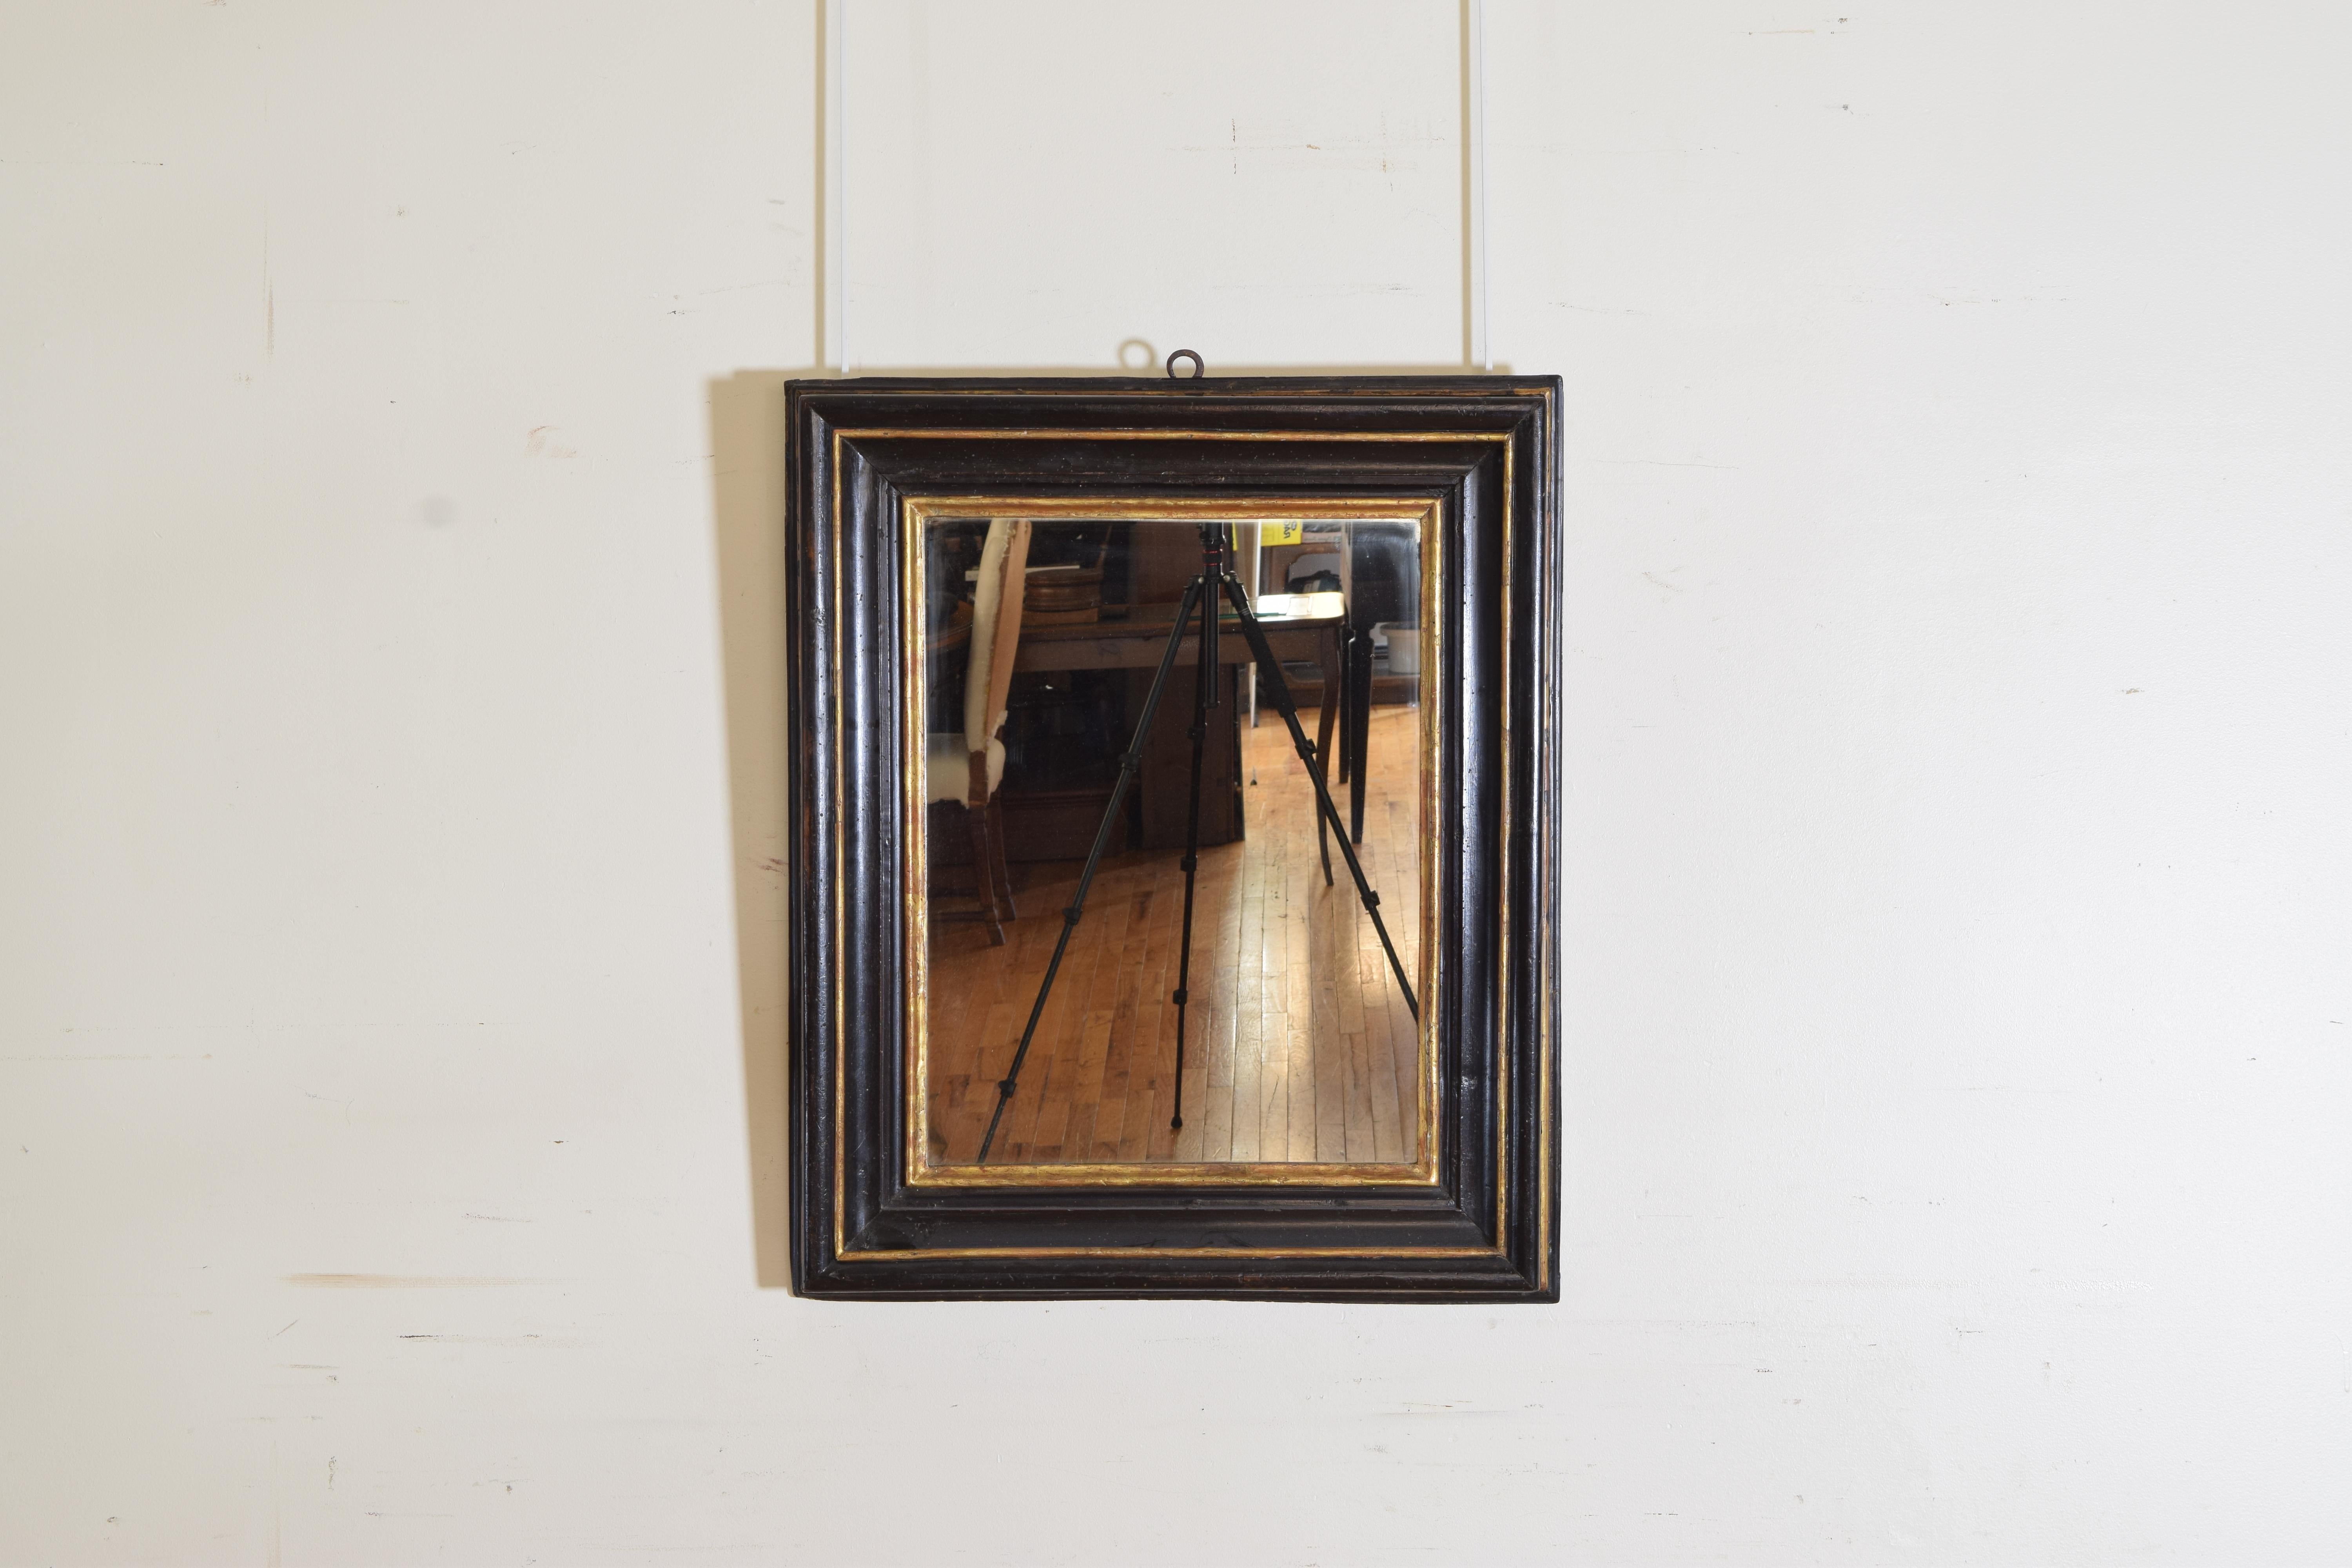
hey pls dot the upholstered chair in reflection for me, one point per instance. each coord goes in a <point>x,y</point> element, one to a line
<point>969,768</point>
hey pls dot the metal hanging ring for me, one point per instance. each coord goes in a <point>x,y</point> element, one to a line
<point>1198,369</point>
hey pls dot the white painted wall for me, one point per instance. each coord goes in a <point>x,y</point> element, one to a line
<point>1958,1011</point>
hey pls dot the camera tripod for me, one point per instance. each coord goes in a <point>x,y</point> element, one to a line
<point>1216,579</point>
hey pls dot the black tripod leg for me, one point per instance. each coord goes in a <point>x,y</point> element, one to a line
<point>1323,838</point>
<point>1193,591</point>
<point>1204,690</point>
<point>1371,901</point>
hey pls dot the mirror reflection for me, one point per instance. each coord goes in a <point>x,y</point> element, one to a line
<point>1075,759</point>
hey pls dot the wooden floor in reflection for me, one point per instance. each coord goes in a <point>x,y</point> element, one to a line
<point>1298,1046</point>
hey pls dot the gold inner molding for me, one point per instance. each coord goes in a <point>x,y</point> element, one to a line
<point>919,513</point>
<point>934,1252</point>
<point>1490,437</point>
<point>911,529</point>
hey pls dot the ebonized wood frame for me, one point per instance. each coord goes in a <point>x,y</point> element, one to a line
<point>1485,449</point>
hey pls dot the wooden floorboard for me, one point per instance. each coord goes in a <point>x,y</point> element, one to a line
<point>1298,1046</point>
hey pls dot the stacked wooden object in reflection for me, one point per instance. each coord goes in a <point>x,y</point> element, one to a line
<point>1065,595</point>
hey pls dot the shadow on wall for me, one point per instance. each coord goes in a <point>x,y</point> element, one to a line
<point>747,447</point>
<point>747,465</point>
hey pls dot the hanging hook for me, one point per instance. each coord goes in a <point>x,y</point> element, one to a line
<point>1198,369</point>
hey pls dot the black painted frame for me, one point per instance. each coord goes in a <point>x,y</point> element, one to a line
<point>1487,1230</point>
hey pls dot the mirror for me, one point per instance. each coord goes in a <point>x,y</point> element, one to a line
<point>1057,700</point>
<point>1000,659</point>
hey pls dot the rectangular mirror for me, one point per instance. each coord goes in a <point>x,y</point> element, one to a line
<point>1173,838</point>
<point>1292,1000</point>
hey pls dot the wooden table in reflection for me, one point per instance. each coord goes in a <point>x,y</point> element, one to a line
<point>1297,625</point>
